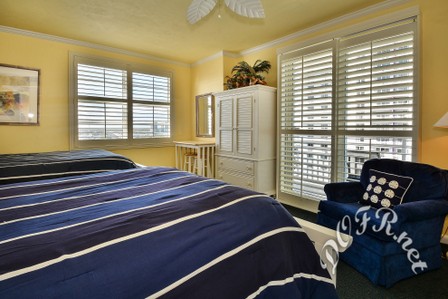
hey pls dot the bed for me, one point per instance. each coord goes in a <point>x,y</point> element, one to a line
<point>36,166</point>
<point>152,232</point>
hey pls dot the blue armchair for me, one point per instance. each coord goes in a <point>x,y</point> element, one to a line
<point>397,242</point>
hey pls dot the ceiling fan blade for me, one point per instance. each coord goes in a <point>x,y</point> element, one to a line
<point>246,8</point>
<point>199,9</point>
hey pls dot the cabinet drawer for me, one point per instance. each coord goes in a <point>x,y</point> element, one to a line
<point>236,179</point>
<point>244,166</point>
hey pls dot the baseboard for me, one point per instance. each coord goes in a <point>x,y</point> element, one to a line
<point>300,203</point>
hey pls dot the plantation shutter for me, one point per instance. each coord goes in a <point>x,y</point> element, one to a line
<point>376,97</point>
<point>118,105</point>
<point>343,102</point>
<point>306,121</point>
<point>151,109</point>
<point>102,108</point>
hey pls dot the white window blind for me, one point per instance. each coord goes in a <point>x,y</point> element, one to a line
<point>375,86</point>
<point>102,109</point>
<point>343,102</point>
<point>115,105</point>
<point>305,164</point>
<point>151,109</point>
<point>306,121</point>
<point>307,91</point>
<point>101,82</point>
<point>99,120</point>
<point>376,98</point>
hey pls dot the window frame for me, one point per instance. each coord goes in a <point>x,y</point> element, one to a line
<point>130,68</point>
<point>306,47</point>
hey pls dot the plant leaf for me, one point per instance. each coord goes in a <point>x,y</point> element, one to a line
<point>262,66</point>
<point>246,8</point>
<point>199,9</point>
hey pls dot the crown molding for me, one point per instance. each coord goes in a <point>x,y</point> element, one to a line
<point>64,40</point>
<point>372,23</point>
<point>215,56</point>
<point>324,25</point>
<point>231,54</point>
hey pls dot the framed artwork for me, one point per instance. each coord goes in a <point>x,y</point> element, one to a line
<point>19,95</point>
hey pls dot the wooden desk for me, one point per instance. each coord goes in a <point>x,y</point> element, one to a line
<point>202,153</point>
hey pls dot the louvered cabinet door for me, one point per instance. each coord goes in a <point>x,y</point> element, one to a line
<point>224,125</point>
<point>244,125</point>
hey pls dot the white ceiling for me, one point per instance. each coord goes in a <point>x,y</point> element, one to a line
<point>159,27</point>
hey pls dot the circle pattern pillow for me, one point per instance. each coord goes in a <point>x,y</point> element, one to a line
<point>385,189</point>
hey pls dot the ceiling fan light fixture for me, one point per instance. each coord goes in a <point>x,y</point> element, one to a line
<point>246,8</point>
<point>199,9</point>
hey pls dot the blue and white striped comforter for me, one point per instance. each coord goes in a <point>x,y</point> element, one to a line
<point>16,168</point>
<point>150,233</point>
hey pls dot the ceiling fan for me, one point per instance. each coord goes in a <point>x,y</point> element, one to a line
<point>246,8</point>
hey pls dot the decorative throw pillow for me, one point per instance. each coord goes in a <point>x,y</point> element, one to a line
<point>385,189</point>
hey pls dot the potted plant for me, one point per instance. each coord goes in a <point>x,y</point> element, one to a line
<point>245,75</point>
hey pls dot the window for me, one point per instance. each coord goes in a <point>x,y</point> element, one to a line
<point>119,105</point>
<point>345,101</point>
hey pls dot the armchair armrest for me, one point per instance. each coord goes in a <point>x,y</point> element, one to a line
<point>421,210</point>
<point>344,192</point>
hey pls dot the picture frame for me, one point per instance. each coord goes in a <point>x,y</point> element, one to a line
<point>19,95</point>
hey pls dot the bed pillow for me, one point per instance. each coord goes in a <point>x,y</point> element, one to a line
<point>385,189</point>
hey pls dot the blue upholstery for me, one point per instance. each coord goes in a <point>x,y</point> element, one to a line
<point>385,249</point>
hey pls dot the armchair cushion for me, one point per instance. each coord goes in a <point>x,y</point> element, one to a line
<point>385,189</point>
<point>422,210</point>
<point>344,191</point>
<point>362,218</point>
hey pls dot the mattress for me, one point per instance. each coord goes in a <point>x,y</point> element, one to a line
<point>152,232</point>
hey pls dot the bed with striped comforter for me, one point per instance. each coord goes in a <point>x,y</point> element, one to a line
<point>36,166</point>
<point>152,233</point>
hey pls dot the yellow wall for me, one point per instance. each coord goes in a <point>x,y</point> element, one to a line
<point>228,64</point>
<point>206,78</point>
<point>434,79</point>
<point>52,58</point>
<point>209,77</point>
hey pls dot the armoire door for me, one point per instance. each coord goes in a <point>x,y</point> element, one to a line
<point>244,125</point>
<point>224,130</point>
